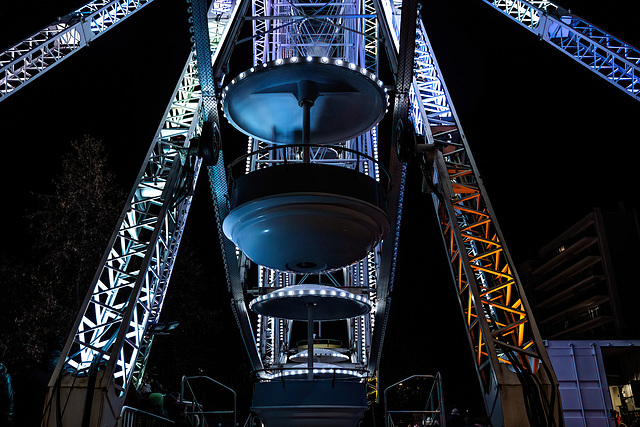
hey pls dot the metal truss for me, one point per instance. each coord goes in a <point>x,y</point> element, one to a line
<point>129,287</point>
<point>502,332</point>
<point>31,57</point>
<point>398,28</point>
<point>273,335</point>
<point>429,104</point>
<point>606,55</point>
<point>497,315</point>
<point>224,18</point>
<point>127,293</point>
<point>346,30</point>
<point>112,331</point>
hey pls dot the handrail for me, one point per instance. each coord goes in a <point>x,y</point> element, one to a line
<point>285,161</point>
<point>435,387</point>
<point>130,417</point>
<point>251,419</point>
<point>185,380</point>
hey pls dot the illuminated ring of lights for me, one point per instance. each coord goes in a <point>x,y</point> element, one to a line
<point>265,101</point>
<point>320,369</point>
<point>329,303</point>
<point>322,355</point>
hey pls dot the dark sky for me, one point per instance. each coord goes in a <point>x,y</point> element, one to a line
<point>551,139</point>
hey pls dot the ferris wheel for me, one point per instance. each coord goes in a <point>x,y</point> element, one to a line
<point>336,99</point>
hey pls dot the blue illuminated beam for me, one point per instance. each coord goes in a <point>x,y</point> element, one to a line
<point>36,54</point>
<point>606,55</point>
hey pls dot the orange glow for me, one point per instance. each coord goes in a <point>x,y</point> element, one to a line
<point>462,189</point>
<point>481,239</point>
<point>492,272</point>
<point>504,307</point>
<point>487,254</point>
<point>477,224</point>
<point>497,288</point>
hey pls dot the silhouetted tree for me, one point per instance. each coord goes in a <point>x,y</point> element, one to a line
<point>72,226</point>
<point>43,289</point>
<point>42,292</point>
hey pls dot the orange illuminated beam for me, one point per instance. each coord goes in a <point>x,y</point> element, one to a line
<point>486,254</point>
<point>509,327</point>
<point>466,209</point>
<point>480,239</point>
<point>477,224</point>
<point>504,307</point>
<point>497,288</point>
<point>492,272</point>
<point>463,189</point>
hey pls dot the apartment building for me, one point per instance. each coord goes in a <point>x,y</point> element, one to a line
<point>585,285</point>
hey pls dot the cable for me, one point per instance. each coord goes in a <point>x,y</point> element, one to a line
<point>55,392</point>
<point>537,405</point>
<point>88,401</point>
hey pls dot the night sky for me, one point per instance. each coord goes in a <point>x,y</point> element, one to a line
<point>551,140</point>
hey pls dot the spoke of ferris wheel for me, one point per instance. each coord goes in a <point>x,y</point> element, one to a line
<point>33,56</point>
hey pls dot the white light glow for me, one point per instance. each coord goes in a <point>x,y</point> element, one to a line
<point>307,290</point>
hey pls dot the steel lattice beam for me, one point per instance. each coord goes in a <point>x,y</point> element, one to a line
<point>31,57</point>
<point>345,30</point>
<point>502,332</point>
<point>129,288</point>
<point>606,55</point>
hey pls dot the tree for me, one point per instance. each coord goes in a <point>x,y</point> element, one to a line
<point>72,226</point>
<point>69,229</point>
<point>43,290</point>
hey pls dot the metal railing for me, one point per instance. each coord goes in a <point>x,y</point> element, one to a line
<point>253,421</point>
<point>283,154</point>
<point>196,406</point>
<point>432,413</point>
<point>131,417</point>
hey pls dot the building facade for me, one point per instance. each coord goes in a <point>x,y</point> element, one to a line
<point>585,283</point>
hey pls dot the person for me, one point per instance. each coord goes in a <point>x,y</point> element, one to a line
<point>31,390</point>
<point>455,419</point>
<point>176,410</point>
<point>617,418</point>
<point>156,399</point>
<point>7,395</point>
